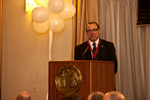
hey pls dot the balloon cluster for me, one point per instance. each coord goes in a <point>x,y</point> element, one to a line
<point>51,14</point>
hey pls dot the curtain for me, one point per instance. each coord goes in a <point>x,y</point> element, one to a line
<point>86,11</point>
<point>118,20</point>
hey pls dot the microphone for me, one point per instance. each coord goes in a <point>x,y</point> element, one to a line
<point>85,51</point>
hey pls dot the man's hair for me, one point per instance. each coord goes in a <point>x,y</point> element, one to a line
<point>116,96</point>
<point>23,96</point>
<point>92,23</point>
<point>97,96</point>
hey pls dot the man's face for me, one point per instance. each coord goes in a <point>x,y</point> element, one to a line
<point>93,32</point>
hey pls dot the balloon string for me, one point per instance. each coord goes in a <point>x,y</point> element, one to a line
<point>50,43</point>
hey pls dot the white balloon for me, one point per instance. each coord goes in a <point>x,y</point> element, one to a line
<point>56,24</point>
<point>40,14</point>
<point>40,27</point>
<point>41,2</point>
<point>68,11</point>
<point>55,6</point>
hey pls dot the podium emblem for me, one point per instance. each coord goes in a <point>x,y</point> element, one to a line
<point>68,79</point>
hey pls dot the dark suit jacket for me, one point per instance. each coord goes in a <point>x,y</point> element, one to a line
<point>106,52</point>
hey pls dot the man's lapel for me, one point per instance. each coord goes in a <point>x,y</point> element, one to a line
<point>100,49</point>
<point>88,55</point>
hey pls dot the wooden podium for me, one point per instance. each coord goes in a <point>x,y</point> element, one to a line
<point>96,76</point>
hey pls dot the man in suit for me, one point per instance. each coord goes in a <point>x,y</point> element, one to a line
<point>95,48</point>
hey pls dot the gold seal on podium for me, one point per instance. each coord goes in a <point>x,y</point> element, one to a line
<point>68,79</point>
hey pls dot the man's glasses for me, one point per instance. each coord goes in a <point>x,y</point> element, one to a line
<point>93,30</point>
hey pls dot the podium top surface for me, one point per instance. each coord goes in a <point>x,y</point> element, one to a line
<point>87,61</point>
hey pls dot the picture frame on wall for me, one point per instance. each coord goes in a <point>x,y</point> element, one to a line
<point>143,13</point>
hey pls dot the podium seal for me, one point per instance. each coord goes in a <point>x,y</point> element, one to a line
<point>68,79</point>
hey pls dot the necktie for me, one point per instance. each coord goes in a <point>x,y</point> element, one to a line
<point>94,47</point>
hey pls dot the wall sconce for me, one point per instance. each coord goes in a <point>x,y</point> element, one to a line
<point>30,5</point>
